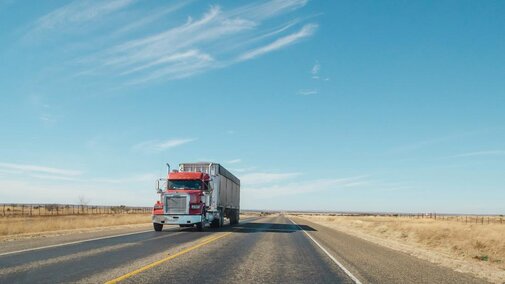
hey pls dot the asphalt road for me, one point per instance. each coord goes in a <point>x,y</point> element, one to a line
<point>259,250</point>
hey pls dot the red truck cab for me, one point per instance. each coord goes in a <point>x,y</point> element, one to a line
<point>182,202</point>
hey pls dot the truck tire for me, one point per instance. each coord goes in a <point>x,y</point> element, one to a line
<point>219,222</point>
<point>200,227</point>
<point>233,217</point>
<point>158,227</point>
<point>214,223</point>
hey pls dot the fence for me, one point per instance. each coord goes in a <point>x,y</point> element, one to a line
<point>467,219</point>
<point>67,209</point>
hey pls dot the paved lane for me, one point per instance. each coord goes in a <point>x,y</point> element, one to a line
<point>260,250</point>
<point>76,262</point>
<point>270,250</point>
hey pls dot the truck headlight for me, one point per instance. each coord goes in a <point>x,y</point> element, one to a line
<point>195,206</point>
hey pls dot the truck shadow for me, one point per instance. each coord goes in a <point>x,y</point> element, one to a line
<point>268,227</point>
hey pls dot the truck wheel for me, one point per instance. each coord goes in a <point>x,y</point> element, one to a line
<point>158,227</point>
<point>214,223</point>
<point>200,226</point>
<point>234,217</point>
<point>233,220</point>
<point>221,220</point>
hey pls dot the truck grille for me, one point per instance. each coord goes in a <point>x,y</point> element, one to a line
<point>176,204</point>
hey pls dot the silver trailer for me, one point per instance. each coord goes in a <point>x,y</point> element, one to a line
<point>223,199</point>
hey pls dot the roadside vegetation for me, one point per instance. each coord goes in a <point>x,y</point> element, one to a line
<point>477,248</point>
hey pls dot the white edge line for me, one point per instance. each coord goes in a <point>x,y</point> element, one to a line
<point>85,241</point>
<point>356,280</point>
<point>73,243</point>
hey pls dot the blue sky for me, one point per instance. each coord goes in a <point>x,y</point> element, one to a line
<point>328,105</point>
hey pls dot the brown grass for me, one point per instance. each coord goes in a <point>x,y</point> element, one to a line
<point>474,248</point>
<point>28,225</point>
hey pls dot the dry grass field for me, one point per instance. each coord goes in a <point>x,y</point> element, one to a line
<point>17,226</point>
<point>468,247</point>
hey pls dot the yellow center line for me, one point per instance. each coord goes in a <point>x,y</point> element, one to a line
<point>170,257</point>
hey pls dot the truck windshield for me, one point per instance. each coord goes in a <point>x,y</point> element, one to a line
<point>184,184</point>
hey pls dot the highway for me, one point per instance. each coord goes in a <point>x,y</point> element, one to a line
<point>272,249</point>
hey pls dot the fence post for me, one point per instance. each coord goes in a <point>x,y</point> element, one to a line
<point>31,208</point>
<point>4,210</point>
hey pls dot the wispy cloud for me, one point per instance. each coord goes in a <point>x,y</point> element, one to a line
<point>243,170</point>
<point>77,13</point>
<point>432,142</point>
<point>154,15</point>
<point>306,31</point>
<point>235,161</point>
<point>36,169</point>
<point>147,177</point>
<point>315,71</point>
<point>482,153</point>
<point>308,92</point>
<point>265,177</point>
<point>58,191</point>
<point>219,38</point>
<point>300,187</point>
<point>158,146</point>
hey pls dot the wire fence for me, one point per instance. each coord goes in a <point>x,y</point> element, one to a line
<point>67,209</point>
<point>467,219</point>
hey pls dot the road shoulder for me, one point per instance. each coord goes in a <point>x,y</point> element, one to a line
<point>373,263</point>
<point>31,241</point>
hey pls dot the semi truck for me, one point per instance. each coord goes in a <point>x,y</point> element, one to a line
<point>197,194</point>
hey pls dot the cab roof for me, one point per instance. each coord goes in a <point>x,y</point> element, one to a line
<point>188,176</point>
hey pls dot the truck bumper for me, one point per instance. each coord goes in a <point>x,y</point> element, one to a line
<point>177,219</point>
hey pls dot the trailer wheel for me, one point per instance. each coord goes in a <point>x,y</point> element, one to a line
<point>215,223</point>
<point>234,217</point>
<point>200,227</point>
<point>158,227</point>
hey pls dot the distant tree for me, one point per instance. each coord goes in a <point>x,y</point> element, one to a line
<point>51,207</point>
<point>82,201</point>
